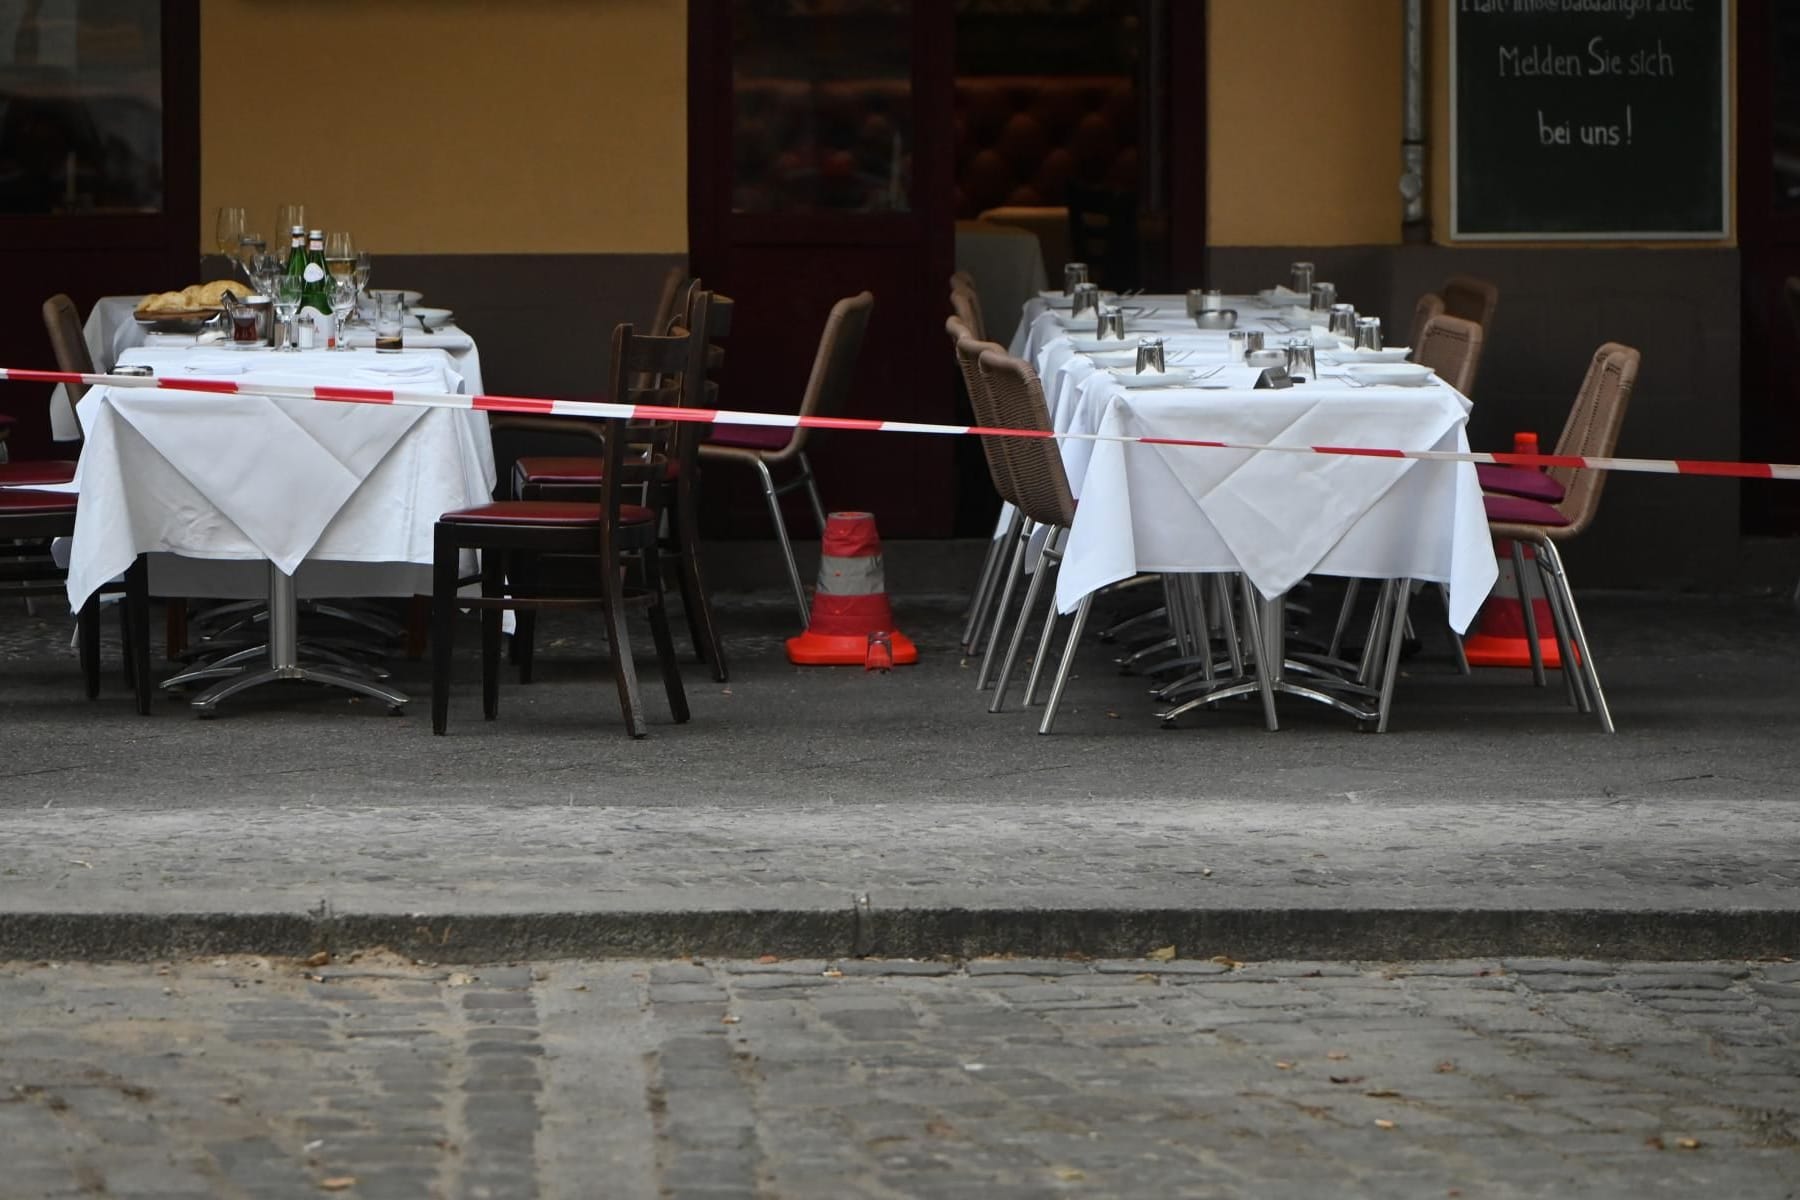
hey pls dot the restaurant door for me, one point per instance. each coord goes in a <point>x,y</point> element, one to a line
<point>99,169</point>
<point>834,147</point>
<point>1769,239</point>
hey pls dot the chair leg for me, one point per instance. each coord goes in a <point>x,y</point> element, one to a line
<point>659,633</point>
<point>1045,641</point>
<point>1590,672</point>
<point>984,611</point>
<point>1015,568</point>
<point>1395,636</point>
<point>1574,684</point>
<point>1062,668</point>
<point>812,491</point>
<point>787,547</point>
<point>493,585</point>
<point>175,628</point>
<point>1351,588</point>
<point>1522,584</point>
<point>696,601</point>
<point>521,570</point>
<point>984,586</point>
<point>1456,639</point>
<point>1018,637</point>
<point>443,627</point>
<point>624,670</point>
<point>87,641</point>
<point>137,604</point>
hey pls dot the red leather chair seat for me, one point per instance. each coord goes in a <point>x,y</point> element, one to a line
<point>1519,481</point>
<point>750,437</point>
<point>36,473</point>
<point>543,512</point>
<point>21,502</point>
<point>1517,510</point>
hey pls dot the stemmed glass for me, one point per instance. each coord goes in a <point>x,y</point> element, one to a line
<point>228,230</point>
<point>250,247</point>
<point>361,274</point>
<point>343,303</point>
<point>287,305</point>
<point>287,216</point>
<point>340,256</point>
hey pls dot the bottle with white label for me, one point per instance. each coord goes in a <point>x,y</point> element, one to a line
<point>315,291</point>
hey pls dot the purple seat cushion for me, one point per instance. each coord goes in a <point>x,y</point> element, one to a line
<point>1518,481</point>
<point>1517,510</point>
<point>750,437</point>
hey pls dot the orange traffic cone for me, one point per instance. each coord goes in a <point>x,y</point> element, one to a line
<point>851,622</point>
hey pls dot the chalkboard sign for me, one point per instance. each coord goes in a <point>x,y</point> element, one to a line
<point>1588,118</point>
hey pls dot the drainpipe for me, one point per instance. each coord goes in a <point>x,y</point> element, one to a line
<point>1415,225</point>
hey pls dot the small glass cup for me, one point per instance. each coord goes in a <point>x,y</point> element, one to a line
<point>287,305</point>
<point>1109,322</point>
<point>1150,356</point>
<point>247,322</point>
<point>390,315</point>
<point>1368,333</point>
<point>1302,364</point>
<point>1084,299</point>
<point>1300,278</point>
<point>1073,273</point>
<point>1324,295</point>
<point>1241,342</point>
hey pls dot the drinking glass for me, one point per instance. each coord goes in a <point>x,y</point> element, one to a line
<point>361,275</point>
<point>343,303</point>
<point>286,217</point>
<point>287,304</point>
<point>340,256</point>
<point>228,230</point>
<point>390,312</point>
<point>249,247</point>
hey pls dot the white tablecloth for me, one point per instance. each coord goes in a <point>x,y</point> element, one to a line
<point>111,330</point>
<point>1277,517</point>
<point>212,485</point>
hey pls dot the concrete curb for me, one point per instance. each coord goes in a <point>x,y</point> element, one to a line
<point>1245,934</point>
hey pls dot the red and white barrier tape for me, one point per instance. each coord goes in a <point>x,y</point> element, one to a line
<point>593,409</point>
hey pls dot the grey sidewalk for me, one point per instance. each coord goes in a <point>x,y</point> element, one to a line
<point>833,812</point>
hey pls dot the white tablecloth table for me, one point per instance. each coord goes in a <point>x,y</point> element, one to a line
<point>1274,516</point>
<point>111,329</point>
<point>214,485</point>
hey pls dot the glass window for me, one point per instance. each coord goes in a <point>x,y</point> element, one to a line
<point>822,105</point>
<point>80,106</point>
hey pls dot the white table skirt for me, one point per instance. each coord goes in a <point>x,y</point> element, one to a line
<point>1275,516</point>
<point>199,480</point>
<point>111,330</point>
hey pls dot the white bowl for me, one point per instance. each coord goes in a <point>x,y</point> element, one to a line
<point>432,318</point>
<point>1400,374</point>
<point>408,298</point>
<point>1130,377</point>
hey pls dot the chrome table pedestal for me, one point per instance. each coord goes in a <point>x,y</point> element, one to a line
<point>236,674</point>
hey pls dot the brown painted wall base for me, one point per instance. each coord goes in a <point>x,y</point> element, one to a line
<point>1679,307</point>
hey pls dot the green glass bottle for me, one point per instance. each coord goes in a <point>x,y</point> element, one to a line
<point>296,256</point>
<point>315,290</point>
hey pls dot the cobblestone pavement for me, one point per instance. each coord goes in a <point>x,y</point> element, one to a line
<point>999,1078</point>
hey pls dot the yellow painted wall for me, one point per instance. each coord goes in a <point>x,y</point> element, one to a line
<point>1303,138</point>
<point>474,126</point>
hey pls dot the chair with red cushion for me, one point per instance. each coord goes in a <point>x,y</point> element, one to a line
<point>1592,432</point>
<point>617,530</point>
<point>577,477</point>
<point>768,448</point>
<point>1549,486</point>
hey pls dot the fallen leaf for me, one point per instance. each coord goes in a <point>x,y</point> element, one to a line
<point>1654,1142</point>
<point>1445,1067</point>
<point>729,1020</point>
<point>1162,954</point>
<point>1382,1093</point>
<point>1346,1078</point>
<point>769,958</point>
<point>1225,960</point>
<point>1070,1174</point>
<point>1206,870</point>
<point>338,1183</point>
<point>1336,1055</point>
<point>833,973</point>
<point>319,959</point>
<point>938,1127</point>
<point>1284,1066</point>
<point>1148,979</point>
<point>1688,1143</point>
<point>459,979</point>
<point>1384,1124</point>
<point>580,987</point>
<point>81,862</point>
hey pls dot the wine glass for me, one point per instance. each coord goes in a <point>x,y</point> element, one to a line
<point>343,303</point>
<point>340,256</point>
<point>287,216</point>
<point>228,228</point>
<point>361,274</point>
<point>249,248</point>
<point>287,305</point>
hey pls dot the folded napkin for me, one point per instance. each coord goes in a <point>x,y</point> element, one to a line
<point>1279,297</point>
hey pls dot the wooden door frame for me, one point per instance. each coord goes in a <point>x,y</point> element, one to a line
<point>1186,135</point>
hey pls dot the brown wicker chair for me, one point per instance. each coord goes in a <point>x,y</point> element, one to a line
<point>1592,432</point>
<point>967,307</point>
<point>1042,488</point>
<point>968,349</point>
<point>1430,305</point>
<point>1450,346</point>
<point>1471,298</point>
<point>767,448</point>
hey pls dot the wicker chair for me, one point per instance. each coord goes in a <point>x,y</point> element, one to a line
<point>1430,305</point>
<point>1471,298</point>
<point>1593,431</point>
<point>1450,346</point>
<point>967,307</point>
<point>1042,488</point>
<point>968,349</point>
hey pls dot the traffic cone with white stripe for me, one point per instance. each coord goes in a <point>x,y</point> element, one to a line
<point>851,604</point>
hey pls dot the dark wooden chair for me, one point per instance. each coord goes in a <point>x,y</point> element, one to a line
<point>617,531</point>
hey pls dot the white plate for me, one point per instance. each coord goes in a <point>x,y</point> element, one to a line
<point>1387,354</point>
<point>1115,358</point>
<point>1094,345</point>
<point>409,298</point>
<point>1058,300</point>
<point>1129,377</point>
<point>1390,374</point>
<point>432,318</point>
